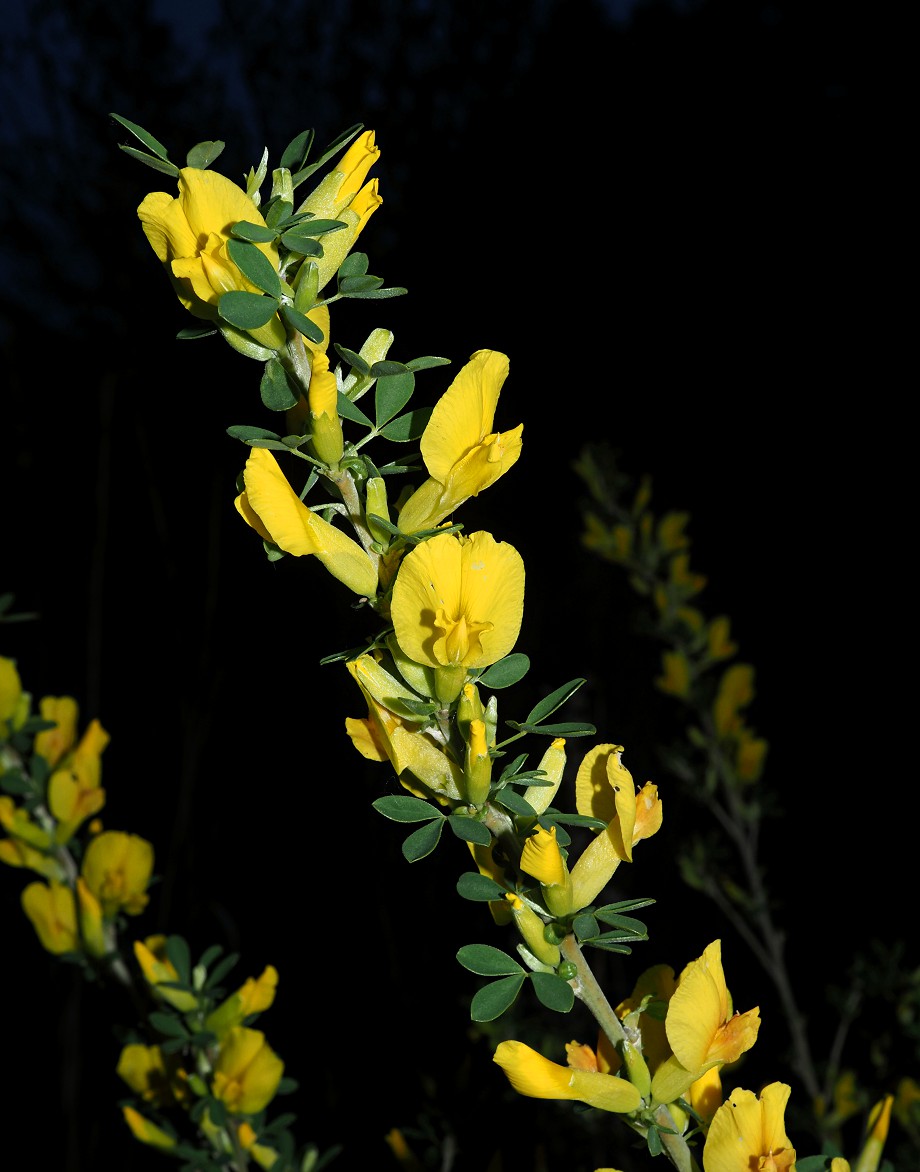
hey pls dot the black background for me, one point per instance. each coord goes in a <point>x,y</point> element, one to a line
<point>652,211</point>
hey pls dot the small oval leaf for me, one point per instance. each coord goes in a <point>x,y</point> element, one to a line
<point>492,1001</point>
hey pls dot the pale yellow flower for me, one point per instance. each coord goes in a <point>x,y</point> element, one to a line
<point>247,1071</point>
<point>462,454</point>
<point>74,790</point>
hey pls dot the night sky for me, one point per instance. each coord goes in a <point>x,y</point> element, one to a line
<point>642,204</point>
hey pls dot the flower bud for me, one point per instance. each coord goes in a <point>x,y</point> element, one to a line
<point>531,927</point>
<point>376,506</point>
<point>477,765</point>
<point>552,763</point>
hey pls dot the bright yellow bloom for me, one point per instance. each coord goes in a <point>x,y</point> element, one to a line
<point>189,234</point>
<point>462,453</point>
<point>74,792</point>
<point>341,196</point>
<point>701,1028</point>
<point>533,1075</point>
<point>326,427</point>
<point>92,927</point>
<point>53,743</point>
<point>457,604</point>
<point>18,823</point>
<point>28,843</point>
<point>531,927</point>
<point>657,983</point>
<point>263,1155</point>
<point>247,1071</point>
<point>14,703</point>
<point>877,1132</point>
<point>144,1069</point>
<point>147,1132</point>
<point>271,507</point>
<point>117,868</point>
<point>255,995</point>
<point>53,911</point>
<point>540,797</point>
<point>748,1133</point>
<point>158,970</point>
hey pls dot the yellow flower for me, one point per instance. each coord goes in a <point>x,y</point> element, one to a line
<point>247,1071</point>
<point>701,1028</point>
<point>92,927</point>
<point>457,604</point>
<point>53,743</point>
<point>658,983</point>
<point>28,843</point>
<point>74,792</point>
<point>341,196</point>
<point>152,1076</point>
<point>533,1075</point>
<point>326,427</point>
<point>53,911</point>
<point>263,1155</point>
<point>271,507</point>
<point>462,453</point>
<point>253,996</point>
<point>158,970</point>
<point>117,869</point>
<point>736,691</point>
<point>147,1132</point>
<point>531,927</point>
<point>189,234</point>
<point>748,1132</point>
<point>676,678</point>
<point>552,763</point>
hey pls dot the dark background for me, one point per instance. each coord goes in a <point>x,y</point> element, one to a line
<point>652,208</point>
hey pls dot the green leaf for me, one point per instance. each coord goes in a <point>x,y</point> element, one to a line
<point>354,360</point>
<point>553,701</point>
<point>469,830</point>
<point>178,952</point>
<point>487,961</point>
<point>348,410</point>
<point>392,394</point>
<point>254,264</point>
<point>380,294</point>
<point>246,311</point>
<point>403,808</point>
<point>585,926</point>
<point>624,905</point>
<point>145,137</point>
<point>275,388</point>
<point>609,946</point>
<point>653,1139</point>
<point>203,154</point>
<point>427,362</point>
<point>358,284</point>
<point>296,152</point>
<point>565,729</point>
<point>388,366</point>
<point>302,324</point>
<point>220,970</point>
<point>243,431</point>
<point>407,427</point>
<point>304,245</point>
<point>513,801</point>
<point>209,955</point>
<point>192,332</point>
<point>506,671</point>
<point>258,234</point>
<point>423,841</point>
<point>553,991</point>
<point>151,161</point>
<point>619,937</point>
<point>479,888</point>
<point>624,923</point>
<point>492,1000</point>
<point>354,265</point>
<point>168,1024</point>
<point>276,211</point>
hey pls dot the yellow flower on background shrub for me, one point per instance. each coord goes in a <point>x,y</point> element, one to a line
<point>52,910</point>
<point>701,1028</point>
<point>247,1071</point>
<point>14,703</point>
<point>736,691</point>
<point>189,235</point>
<point>271,507</point>
<point>146,1131</point>
<point>462,454</point>
<point>537,1077</point>
<point>117,868</point>
<point>457,604</point>
<point>150,1074</point>
<point>750,1132</point>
